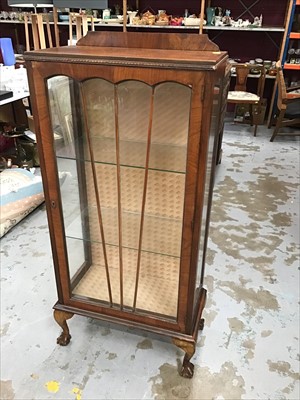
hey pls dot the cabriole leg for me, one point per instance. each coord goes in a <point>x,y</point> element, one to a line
<point>61,318</point>
<point>187,369</point>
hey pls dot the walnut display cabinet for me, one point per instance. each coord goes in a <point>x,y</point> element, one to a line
<point>128,128</point>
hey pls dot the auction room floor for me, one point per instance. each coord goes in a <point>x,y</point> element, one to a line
<point>249,348</point>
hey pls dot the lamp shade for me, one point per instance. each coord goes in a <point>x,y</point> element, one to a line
<point>28,3</point>
<point>92,4</point>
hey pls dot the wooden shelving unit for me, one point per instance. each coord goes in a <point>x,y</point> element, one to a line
<point>293,7</point>
<point>289,66</point>
<point>295,35</point>
<point>291,36</point>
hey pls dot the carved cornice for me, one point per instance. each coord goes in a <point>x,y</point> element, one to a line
<point>178,65</point>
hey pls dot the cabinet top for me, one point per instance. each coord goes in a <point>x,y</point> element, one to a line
<point>163,50</point>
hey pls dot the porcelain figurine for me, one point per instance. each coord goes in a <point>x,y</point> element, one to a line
<point>131,15</point>
<point>218,21</point>
<point>210,15</point>
<point>227,19</point>
<point>258,21</point>
<point>246,23</point>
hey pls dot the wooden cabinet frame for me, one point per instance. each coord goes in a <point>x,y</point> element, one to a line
<point>190,62</point>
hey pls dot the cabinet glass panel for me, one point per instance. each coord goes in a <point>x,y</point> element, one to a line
<point>216,119</point>
<point>121,149</point>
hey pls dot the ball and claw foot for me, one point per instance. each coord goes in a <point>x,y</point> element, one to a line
<point>187,369</point>
<point>61,318</point>
<point>63,339</point>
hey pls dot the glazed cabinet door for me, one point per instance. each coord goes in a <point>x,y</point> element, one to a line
<point>121,154</point>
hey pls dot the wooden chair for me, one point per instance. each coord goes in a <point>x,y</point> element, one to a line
<point>240,94</point>
<point>38,21</point>
<point>81,25</point>
<point>288,106</point>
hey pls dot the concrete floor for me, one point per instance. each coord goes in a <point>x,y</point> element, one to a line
<point>249,348</point>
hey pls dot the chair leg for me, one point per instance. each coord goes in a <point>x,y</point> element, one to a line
<point>255,130</point>
<point>275,132</point>
<point>251,114</point>
<point>271,122</point>
<point>278,125</point>
<point>254,118</point>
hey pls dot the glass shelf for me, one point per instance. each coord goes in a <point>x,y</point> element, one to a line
<point>161,235</point>
<point>164,157</point>
<point>158,280</point>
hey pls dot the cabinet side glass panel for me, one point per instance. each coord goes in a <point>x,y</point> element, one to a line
<point>208,186</point>
<point>215,135</point>
<point>60,107</point>
<point>128,154</point>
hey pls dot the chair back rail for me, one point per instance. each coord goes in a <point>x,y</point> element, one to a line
<point>81,25</point>
<point>40,30</point>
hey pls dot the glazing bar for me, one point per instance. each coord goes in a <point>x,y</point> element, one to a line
<point>96,193</point>
<point>144,200</point>
<point>119,193</point>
